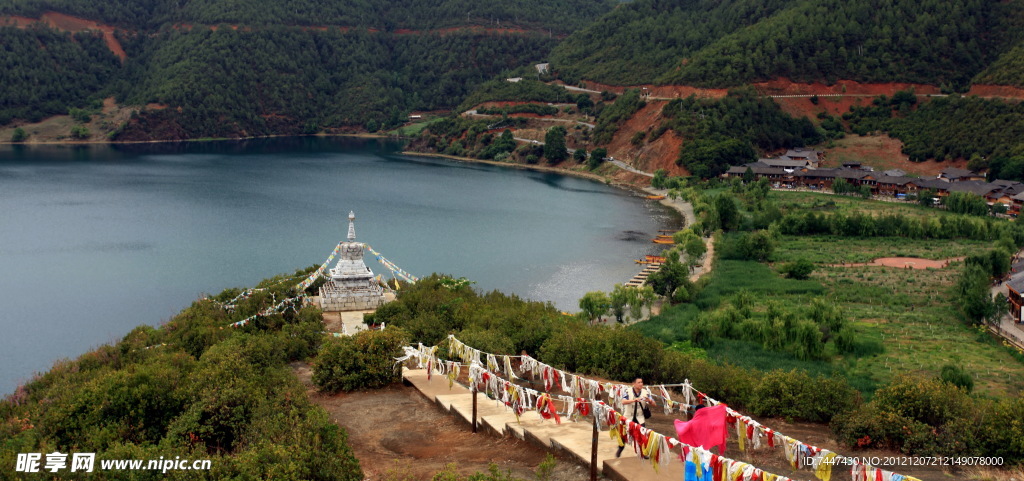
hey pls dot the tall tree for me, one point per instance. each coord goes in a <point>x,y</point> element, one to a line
<point>554,145</point>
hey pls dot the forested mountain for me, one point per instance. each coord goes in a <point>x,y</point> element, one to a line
<point>734,42</point>
<point>364,65</point>
<point>559,17</point>
<point>43,72</point>
<point>990,132</point>
<point>279,80</point>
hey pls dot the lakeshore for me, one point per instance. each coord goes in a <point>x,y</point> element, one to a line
<point>135,234</point>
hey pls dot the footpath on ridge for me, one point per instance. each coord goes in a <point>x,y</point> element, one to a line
<point>571,439</point>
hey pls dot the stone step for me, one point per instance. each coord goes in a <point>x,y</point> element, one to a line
<point>572,439</point>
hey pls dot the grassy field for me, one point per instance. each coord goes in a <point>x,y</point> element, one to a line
<point>830,203</point>
<point>413,129</point>
<point>910,313</point>
<point>904,319</point>
<point>838,250</point>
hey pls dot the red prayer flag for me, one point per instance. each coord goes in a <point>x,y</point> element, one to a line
<point>706,429</point>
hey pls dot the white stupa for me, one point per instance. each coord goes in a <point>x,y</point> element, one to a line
<point>352,286</point>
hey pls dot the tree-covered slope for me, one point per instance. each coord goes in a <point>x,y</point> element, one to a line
<point>287,80</point>
<point>363,64</point>
<point>559,17</point>
<point>1008,69</point>
<point>43,72</point>
<point>741,41</point>
<point>641,40</point>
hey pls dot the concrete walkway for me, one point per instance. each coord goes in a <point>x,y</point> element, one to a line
<point>570,439</point>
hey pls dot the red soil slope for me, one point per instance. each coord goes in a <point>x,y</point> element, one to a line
<point>68,23</point>
<point>783,86</point>
<point>1004,91</point>
<point>835,106</point>
<point>883,153</point>
<point>648,156</point>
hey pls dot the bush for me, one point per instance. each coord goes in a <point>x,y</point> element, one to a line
<point>870,427</point>
<point>613,353</point>
<point>800,269</point>
<point>80,132</point>
<point>363,361</point>
<point>957,376</point>
<point>19,135</point>
<point>795,394</point>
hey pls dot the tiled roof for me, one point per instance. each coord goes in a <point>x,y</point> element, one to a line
<point>1016,283</point>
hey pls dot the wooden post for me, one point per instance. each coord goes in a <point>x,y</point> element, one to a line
<point>593,451</point>
<point>474,409</point>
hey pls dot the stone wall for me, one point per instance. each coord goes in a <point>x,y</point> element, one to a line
<point>350,303</point>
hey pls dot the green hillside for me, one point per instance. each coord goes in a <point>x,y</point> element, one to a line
<point>720,44</point>
<point>1008,69</point>
<point>43,72</point>
<point>367,67</point>
<point>286,80</point>
<point>559,17</point>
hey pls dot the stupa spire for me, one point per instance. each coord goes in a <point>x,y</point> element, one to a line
<point>351,226</point>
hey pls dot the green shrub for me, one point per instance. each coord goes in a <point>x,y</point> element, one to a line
<point>871,427</point>
<point>363,361</point>
<point>19,135</point>
<point>80,132</point>
<point>925,400</point>
<point>795,394</point>
<point>613,353</point>
<point>800,269</point>
<point>957,376</point>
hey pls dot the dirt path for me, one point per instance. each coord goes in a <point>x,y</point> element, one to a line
<point>904,263</point>
<point>397,434</point>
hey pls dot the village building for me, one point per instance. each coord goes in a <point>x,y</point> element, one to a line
<point>1013,293</point>
<point>953,174</point>
<point>787,172</point>
<point>813,157</point>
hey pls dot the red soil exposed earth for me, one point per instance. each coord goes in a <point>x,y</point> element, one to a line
<point>783,86</point>
<point>68,23</point>
<point>648,156</point>
<point>883,153</point>
<point>1003,91</point>
<point>835,106</point>
<point>904,263</point>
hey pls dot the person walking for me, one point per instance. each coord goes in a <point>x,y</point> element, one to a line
<point>635,404</point>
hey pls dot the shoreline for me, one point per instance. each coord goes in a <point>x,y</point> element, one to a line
<point>684,208</point>
<point>205,139</point>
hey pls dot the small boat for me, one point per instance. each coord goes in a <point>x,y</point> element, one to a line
<point>657,259</point>
<point>664,241</point>
<point>655,197</point>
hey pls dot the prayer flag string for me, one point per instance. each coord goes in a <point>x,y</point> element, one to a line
<point>798,453</point>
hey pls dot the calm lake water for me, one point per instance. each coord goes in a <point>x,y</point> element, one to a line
<point>97,240</point>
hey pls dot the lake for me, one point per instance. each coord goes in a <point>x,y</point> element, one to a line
<point>95,240</point>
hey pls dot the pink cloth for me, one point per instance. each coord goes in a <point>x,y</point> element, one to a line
<point>707,428</point>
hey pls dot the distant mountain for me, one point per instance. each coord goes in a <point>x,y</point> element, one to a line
<point>558,17</point>
<point>723,43</point>
<point>219,68</point>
